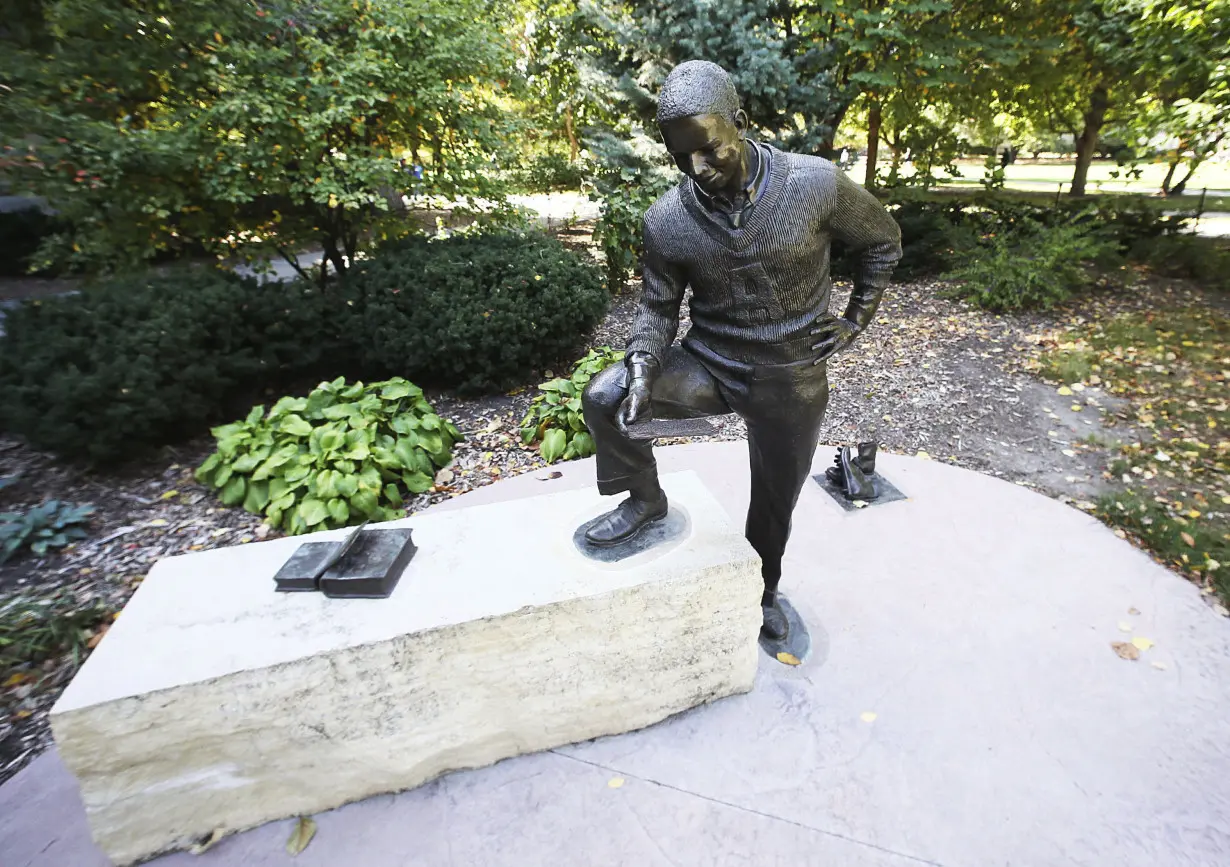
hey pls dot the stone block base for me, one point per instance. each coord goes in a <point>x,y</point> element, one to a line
<point>215,703</point>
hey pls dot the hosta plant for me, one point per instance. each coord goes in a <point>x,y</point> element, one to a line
<point>342,455</point>
<point>555,418</point>
<point>52,524</point>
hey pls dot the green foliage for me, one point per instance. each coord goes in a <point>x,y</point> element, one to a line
<point>37,631</point>
<point>250,128</point>
<point>21,233</point>
<point>1029,269</point>
<point>1127,220</point>
<point>940,230</point>
<point>342,455</point>
<point>135,363</point>
<point>548,173</point>
<point>473,313</point>
<point>51,524</point>
<point>555,417</point>
<point>1205,260</point>
<point>630,176</point>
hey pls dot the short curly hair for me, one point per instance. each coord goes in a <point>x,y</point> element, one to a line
<point>697,87</point>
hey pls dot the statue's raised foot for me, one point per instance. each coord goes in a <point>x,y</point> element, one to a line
<point>626,521</point>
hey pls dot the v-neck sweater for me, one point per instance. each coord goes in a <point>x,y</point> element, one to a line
<point>758,290</point>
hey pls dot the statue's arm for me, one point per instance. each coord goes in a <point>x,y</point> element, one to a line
<point>657,318</point>
<point>870,232</point>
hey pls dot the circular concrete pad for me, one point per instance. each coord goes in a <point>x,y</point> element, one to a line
<point>969,711</point>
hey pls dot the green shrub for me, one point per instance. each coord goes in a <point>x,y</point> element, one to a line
<point>342,455</point>
<point>1194,257</point>
<point>940,231</point>
<point>21,233</point>
<point>135,363</point>
<point>548,173</point>
<point>50,525</point>
<point>474,313</point>
<point>1034,268</point>
<point>629,176</point>
<point>1128,220</point>
<point>36,631</point>
<point>555,417</point>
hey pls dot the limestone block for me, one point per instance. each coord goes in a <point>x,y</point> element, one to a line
<point>216,703</point>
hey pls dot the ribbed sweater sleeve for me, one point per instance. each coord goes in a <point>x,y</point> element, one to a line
<point>657,317</point>
<point>863,224</point>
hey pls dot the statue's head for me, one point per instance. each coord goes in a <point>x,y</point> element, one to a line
<point>702,124</point>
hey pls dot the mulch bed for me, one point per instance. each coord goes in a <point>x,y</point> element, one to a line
<point>933,376</point>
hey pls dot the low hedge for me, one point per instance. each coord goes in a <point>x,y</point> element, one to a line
<point>476,313</point>
<point>135,363</point>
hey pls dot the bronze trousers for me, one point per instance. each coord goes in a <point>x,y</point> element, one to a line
<point>783,405</point>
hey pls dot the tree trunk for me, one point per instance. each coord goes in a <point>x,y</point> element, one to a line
<point>1087,143</point>
<point>1179,188</point>
<point>873,143</point>
<point>1169,177</point>
<point>574,147</point>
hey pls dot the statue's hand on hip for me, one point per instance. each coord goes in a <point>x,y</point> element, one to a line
<point>833,335</point>
<point>636,406</point>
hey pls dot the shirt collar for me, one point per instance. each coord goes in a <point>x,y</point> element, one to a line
<point>752,190</point>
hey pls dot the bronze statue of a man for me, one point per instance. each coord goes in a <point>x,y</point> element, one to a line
<point>749,230</point>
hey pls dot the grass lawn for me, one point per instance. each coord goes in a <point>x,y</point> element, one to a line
<point>1025,174</point>
<point>1173,479</point>
<point>1040,181</point>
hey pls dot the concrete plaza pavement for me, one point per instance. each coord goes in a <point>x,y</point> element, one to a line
<point>962,706</point>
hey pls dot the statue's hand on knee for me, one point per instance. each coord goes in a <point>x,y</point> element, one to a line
<point>638,405</point>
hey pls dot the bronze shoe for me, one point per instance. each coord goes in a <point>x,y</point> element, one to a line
<point>775,627</point>
<point>625,521</point>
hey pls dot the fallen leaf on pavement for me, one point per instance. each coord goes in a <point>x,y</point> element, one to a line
<point>867,716</point>
<point>549,476</point>
<point>615,782</point>
<point>1125,626</point>
<point>305,830</point>
<point>1064,390</point>
<point>1160,666</point>
<point>1133,611</point>
<point>788,658</point>
<point>1141,643</point>
<point>1125,650</point>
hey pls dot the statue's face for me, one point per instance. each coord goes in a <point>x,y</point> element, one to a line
<point>708,148</point>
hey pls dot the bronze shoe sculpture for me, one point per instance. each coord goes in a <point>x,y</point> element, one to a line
<point>626,520</point>
<point>853,481</point>
<point>865,462</point>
